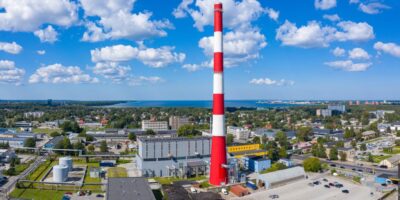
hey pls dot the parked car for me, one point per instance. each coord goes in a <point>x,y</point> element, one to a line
<point>342,167</point>
<point>346,191</point>
<point>331,184</point>
<point>327,186</point>
<point>224,191</point>
<point>274,196</point>
<point>316,182</point>
<point>333,165</point>
<point>99,195</point>
<point>326,180</point>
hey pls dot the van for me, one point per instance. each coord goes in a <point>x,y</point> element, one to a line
<point>224,191</point>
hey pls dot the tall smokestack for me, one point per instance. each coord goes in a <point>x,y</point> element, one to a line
<point>218,171</point>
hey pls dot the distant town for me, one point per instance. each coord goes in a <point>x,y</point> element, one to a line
<point>345,149</point>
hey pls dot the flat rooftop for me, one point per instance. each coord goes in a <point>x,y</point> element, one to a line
<point>132,188</point>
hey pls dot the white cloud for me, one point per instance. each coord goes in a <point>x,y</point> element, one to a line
<point>12,48</point>
<point>390,48</point>
<point>332,18</point>
<point>191,67</point>
<point>273,14</point>
<point>153,57</point>
<point>267,81</point>
<point>237,14</point>
<point>309,36</point>
<point>29,15</point>
<point>47,35</point>
<point>58,73</point>
<point>9,73</point>
<point>358,53</point>
<point>354,1</point>
<point>315,35</point>
<point>338,52</point>
<point>324,4</point>
<point>238,46</point>
<point>348,65</point>
<point>116,21</point>
<point>41,52</point>
<point>355,31</point>
<point>143,80</point>
<point>112,70</point>
<point>373,8</point>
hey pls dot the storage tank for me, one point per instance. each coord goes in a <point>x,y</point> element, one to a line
<point>67,161</point>
<point>60,173</point>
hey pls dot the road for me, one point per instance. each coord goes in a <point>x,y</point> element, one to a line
<point>356,167</point>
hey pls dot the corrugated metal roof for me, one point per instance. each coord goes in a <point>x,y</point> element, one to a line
<point>282,175</point>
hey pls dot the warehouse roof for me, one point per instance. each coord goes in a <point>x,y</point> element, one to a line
<point>132,188</point>
<point>282,175</point>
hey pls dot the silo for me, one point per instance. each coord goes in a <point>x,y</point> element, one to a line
<point>67,161</point>
<point>60,173</point>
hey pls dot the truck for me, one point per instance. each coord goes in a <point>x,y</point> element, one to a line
<point>251,185</point>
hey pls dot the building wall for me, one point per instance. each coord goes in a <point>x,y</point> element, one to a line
<point>240,148</point>
<point>154,125</point>
<point>176,122</point>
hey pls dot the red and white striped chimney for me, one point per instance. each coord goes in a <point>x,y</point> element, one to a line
<point>218,171</point>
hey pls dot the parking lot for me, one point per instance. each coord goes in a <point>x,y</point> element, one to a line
<point>302,190</point>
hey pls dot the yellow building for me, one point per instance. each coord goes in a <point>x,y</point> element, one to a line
<point>246,150</point>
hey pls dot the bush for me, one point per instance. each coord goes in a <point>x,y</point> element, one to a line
<point>312,164</point>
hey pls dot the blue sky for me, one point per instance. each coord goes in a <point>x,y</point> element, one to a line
<point>126,49</point>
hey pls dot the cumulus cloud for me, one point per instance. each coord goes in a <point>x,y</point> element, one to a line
<point>390,48</point>
<point>58,73</point>
<point>143,80</point>
<point>315,35</point>
<point>237,14</point>
<point>238,46</point>
<point>348,65</point>
<point>338,52</point>
<point>12,47</point>
<point>112,70</point>
<point>41,52</point>
<point>324,4</point>
<point>47,35</point>
<point>116,21</point>
<point>267,81</point>
<point>373,8</point>
<point>308,36</point>
<point>9,73</point>
<point>29,15</point>
<point>354,31</point>
<point>332,18</point>
<point>153,57</point>
<point>358,53</point>
<point>273,14</point>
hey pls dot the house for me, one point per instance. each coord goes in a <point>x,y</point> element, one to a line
<point>390,162</point>
<point>383,128</point>
<point>239,190</point>
<point>395,126</point>
<point>286,162</point>
<point>94,172</point>
<point>368,134</point>
<point>6,155</point>
<point>350,153</point>
<point>304,147</point>
<point>256,163</point>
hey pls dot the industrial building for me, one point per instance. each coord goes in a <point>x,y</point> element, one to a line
<point>60,171</point>
<point>133,188</point>
<point>176,122</point>
<point>53,142</point>
<point>154,125</point>
<point>183,157</point>
<point>246,150</point>
<point>281,177</point>
<point>13,142</point>
<point>238,132</point>
<point>256,163</point>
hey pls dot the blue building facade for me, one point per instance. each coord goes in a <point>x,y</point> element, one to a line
<point>256,163</point>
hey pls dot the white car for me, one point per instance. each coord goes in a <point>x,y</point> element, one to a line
<point>224,191</point>
<point>193,190</point>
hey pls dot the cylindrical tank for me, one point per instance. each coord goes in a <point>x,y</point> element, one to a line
<point>60,173</point>
<point>67,161</point>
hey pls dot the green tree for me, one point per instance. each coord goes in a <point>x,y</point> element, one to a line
<point>354,144</point>
<point>256,140</point>
<point>273,150</point>
<point>363,147</point>
<point>89,138</point>
<point>54,134</point>
<point>283,152</point>
<point>30,142</point>
<point>91,148</point>
<point>188,130</point>
<point>150,132</point>
<point>303,133</point>
<point>370,158</point>
<point>229,139</point>
<point>274,167</point>
<point>71,126</point>
<point>318,150</point>
<point>340,144</point>
<point>312,164</point>
<point>343,156</point>
<point>132,136</point>
<point>333,153</point>
<point>103,146</point>
<point>281,138</point>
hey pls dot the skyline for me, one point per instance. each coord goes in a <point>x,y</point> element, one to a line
<point>82,50</point>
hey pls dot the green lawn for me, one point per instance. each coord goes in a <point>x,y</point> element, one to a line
<point>378,159</point>
<point>117,172</point>
<point>170,180</point>
<point>395,150</point>
<point>36,194</point>
<point>88,179</point>
<point>46,130</point>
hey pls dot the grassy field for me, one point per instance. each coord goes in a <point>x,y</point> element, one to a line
<point>88,179</point>
<point>170,180</point>
<point>46,130</point>
<point>395,150</point>
<point>378,159</point>
<point>117,172</point>
<point>36,194</point>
